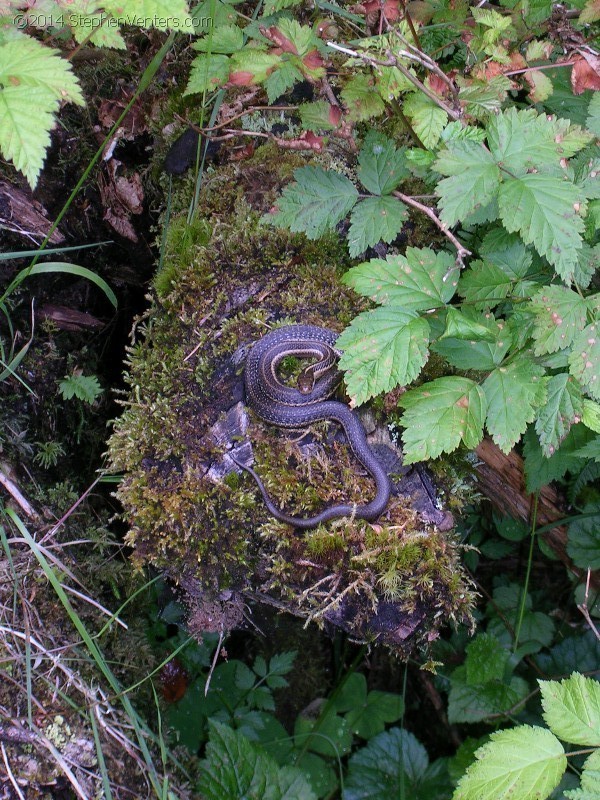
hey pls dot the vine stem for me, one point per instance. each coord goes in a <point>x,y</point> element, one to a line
<point>461,252</point>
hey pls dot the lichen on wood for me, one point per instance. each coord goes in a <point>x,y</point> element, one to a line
<point>228,279</point>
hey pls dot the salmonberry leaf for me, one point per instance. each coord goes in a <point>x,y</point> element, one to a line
<point>252,65</point>
<point>441,415</point>
<point>315,202</point>
<point>25,62</point>
<point>209,71</point>
<point>584,361</point>
<point>420,280</point>
<point>484,285</point>
<point>373,220</point>
<point>540,470</point>
<point>473,182</point>
<point>513,393</point>
<point>473,354</point>
<point>319,116</point>
<point>382,349</point>
<point>543,209</point>
<point>486,659</point>
<point>583,544</point>
<point>427,118</point>
<point>281,79</point>
<point>26,118</point>
<point>590,776</point>
<point>572,709</point>
<point>162,14</point>
<point>361,98</point>
<point>381,165</point>
<point>593,118</point>
<point>470,701</point>
<point>560,315</point>
<point>225,39</point>
<point>563,407</point>
<point>525,762</point>
<point>507,251</point>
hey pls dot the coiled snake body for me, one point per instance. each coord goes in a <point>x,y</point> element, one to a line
<point>287,407</point>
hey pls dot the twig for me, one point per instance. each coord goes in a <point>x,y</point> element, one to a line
<point>15,493</point>
<point>583,607</point>
<point>9,772</point>
<point>462,252</point>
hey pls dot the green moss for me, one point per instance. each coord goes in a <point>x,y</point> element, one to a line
<point>227,279</point>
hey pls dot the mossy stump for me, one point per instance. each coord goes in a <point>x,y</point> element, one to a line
<point>192,514</point>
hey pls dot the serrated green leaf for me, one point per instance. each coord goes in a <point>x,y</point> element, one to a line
<point>484,285</point>
<point>525,762</point>
<point>477,702</point>
<point>361,99</point>
<point>564,406</point>
<point>281,79</point>
<point>469,325</point>
<point>381,166</point>
<point>317,116</point>
<point>26,118</point>
<point>373,220</point>
<point>427,118</point>
<point>302,37</point>
<point>507,251</point>
<point>560,315</point>
<point>482,98</point>
<point>572,709</point>
<point>315,202</point>
<point>272,6</point>
<point>382,349</point>
<point>441,415</point>
<point>213,14</point>
<point>161,14</point>
<point>527,140</point>
<point>282,663</point>
<point>369,718</point>
<point>513,393</point>
<point>540,470</point>
<point>420,280</point>
<point>209,71</point>
<point>391,82</point>
<point>104,35</point>
<point>25,62</point>
<point>236,768</point>
<point>254,62</point>
<point>578,652</point>
<point>591,415</point>
<point>583,545</point>
<point>486,660</point>
<point>542,208</point>
<point>584,361</point>
<point>84,387</point>
<point>225,39</point>
<point>473,183</point>
<point>590,780</point>
<point>593,117</point>
<point>393,763</point>
<point>481,356</point>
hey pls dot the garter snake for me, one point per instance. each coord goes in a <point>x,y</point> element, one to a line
<point>288,407</point>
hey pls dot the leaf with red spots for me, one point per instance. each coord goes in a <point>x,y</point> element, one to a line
<point>560,314</point>
<point>563,408</point>
<point>440,416</point>
<point>584,361</point>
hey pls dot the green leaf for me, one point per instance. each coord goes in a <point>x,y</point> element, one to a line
<point>236,768</point>
<point>418,281</point>
<point>161,14</point>
<point>302,37</point>
<point>26,118</point>
<point>507,251</point>
<point>476,702</point>
<point>441,415</point>
<point>105,33</point>
<point>254,64</point>
<point>572,709</point>
<point>470,325</point>
<point>590,780</point>
<point>484,285</point>
<point>332,738</point>
<point>513,393</point>
<point>560,314</point>
<point>593,118</point>
<point>25,62</point>
<point>315,202</point>
<point>591,450</point>
<point>482,356</point>
<point>84,387</point>
<point>584,361</point>
<point>369,717</point>
<point>526,140</point>
<point>525,762</point>
<point>381,166</point>
<point>318,116</point>
<point>225,39</point>
<point>564,407</point>
<point>361,99</point>
<point>272,6</point>
<point>373,220</point>
<point>579,652</point>
<point>427,118</point>
<point>540,470</point>
<point>486,660</point>
<point>281,79</point>
<point>542,208</point>
<point>209,71</point>
<point>394,764</point>
<point>473,183</point>
<point>382,348</point>
<point>583,545</point>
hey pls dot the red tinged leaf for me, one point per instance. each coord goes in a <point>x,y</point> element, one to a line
<point>389,8</point>
<point>585,74</point>
<point>276,36</point>
<point>335,115</point>
<point>313,60</point>
<point>306,141</point>
<point>240,78</point>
